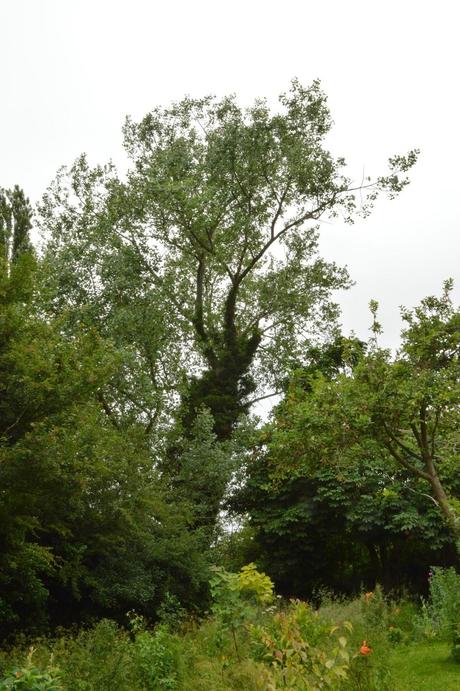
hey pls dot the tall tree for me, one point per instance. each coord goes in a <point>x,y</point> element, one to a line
<point>219,214</point>
<point>202,262</point>
<point>15,224</point>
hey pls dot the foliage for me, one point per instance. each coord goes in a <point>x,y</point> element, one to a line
<point>79,493</point>
<point>371,633</point>
<point>157,653</point>
<point>170,613</point>
<point>235,595</point>
<point>398,413</point>
<point>445,604</point>
<point>247,585</point>
<point>294,647</point>
<point>198,472</point>
<point>300,651</point>
<point>322,512</point>
<point>29,678</point>
<point>15,224</point>
<point>414,404</point>
<point>163,304</point>
<point>100,657</point>
<point>201,264</point>
<point>255,585</point>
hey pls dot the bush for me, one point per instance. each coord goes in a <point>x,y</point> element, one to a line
<point>255,585</point>
<point>236,597</point>
<point>171,613</point>
<point>456,646</point>
<point>30,678</point>
<point>157,655</point>
<point>445,600</point>
<point>98,658</point>
<point>302,652</point>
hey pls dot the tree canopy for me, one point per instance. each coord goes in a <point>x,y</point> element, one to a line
<point>201,262</point>
<point>85,523</point>
<point>406,404</point>
<point>216,221</point>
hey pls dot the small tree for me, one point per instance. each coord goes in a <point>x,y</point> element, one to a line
<point>409,404</point>
<point>413,400</point>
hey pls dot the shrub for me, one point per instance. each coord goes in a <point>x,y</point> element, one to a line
<point>255,585</point>
<point>445,600</point>
<point>456,646</point>
<point>97,658</point>
<point>301,651</point>
<point>30,678</point>
<point>157,656</point>
<point>235,595</point>
<point>170,612</point>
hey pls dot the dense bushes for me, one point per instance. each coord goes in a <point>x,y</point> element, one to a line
<point>87,526</point>
<point>252,641</point>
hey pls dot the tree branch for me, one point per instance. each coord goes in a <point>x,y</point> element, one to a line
<point>402,461</point>
<point>262,398</point>
<point>198,321</point>
<point>279,209</point>
<point>108,410</point>
<point>405,448</point>
<point>434,430</point>
<point>309,215</point>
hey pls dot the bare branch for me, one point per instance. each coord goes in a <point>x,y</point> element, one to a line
<point>262,398</point>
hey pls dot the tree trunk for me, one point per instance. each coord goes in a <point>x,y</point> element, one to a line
<point>443,501</point>
<point>222,387</point>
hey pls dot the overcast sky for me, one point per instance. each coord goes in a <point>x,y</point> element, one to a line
<point>71,70</point>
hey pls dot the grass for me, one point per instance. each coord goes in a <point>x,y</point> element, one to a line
<point>424,667</point>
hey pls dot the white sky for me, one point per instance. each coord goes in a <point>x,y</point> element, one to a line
<point>72,69</point>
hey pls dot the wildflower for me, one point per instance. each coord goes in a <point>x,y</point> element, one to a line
<point>365,649</point>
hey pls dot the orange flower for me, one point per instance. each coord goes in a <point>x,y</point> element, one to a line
<point>365,649</point>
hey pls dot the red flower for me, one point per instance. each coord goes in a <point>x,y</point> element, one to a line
<point>365,649</point>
